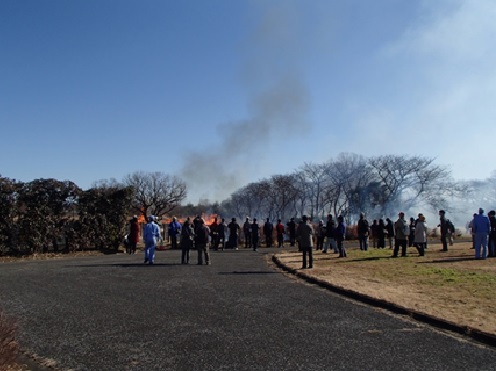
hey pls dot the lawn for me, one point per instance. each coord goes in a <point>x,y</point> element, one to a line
<point>449,285</point>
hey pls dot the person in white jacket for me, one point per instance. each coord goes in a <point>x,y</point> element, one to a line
<point>151,234</point>
<point>420,234</point>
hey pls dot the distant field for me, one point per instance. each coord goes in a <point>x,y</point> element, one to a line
<point>449,285</point>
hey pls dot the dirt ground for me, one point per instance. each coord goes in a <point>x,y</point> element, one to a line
<point>449,285</point>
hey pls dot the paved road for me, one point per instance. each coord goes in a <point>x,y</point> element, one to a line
<point>114,313</point>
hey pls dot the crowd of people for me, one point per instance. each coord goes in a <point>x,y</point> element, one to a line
<point>328,236</point>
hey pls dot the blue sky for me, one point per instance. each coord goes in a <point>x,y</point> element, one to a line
<point>225,92</point>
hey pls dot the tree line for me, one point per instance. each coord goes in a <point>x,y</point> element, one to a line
<point>37,215</point>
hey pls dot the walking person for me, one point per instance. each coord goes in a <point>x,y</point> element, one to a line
<point>363,232</point>
<point>482,228</point>
<point>304,234</point>
<point>202,232</point>
<point>401,232</point>
<point>134,233</point>
<point>255,234</point>
<point>280,234</point>
<point>420,234</point>
<point>151,234</point>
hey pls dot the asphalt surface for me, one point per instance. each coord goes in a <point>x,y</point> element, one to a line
<point>240,313</point>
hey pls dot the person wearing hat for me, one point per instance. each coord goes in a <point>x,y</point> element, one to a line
<point>482,227</point>
<point>151,233</point>
<point>304,234</point>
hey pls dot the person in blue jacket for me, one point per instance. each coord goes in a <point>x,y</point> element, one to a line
<point>482,227</point>
<point>151,234</point>
<point>174,231</point>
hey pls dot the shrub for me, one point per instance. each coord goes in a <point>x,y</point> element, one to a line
<point>8,343</point>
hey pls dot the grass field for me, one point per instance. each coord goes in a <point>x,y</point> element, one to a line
<point>449,285</point>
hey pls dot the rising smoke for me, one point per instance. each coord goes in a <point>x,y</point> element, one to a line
<point>277,111</point>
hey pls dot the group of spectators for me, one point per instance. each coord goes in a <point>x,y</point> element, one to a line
<point>399,234</point>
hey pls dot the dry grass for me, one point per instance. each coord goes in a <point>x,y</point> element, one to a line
<point>8,344</point>
<point>449,285</point>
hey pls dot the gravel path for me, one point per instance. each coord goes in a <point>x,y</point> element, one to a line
<point>114,313</point>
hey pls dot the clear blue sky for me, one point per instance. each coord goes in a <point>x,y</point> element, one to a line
<point>224,92</point>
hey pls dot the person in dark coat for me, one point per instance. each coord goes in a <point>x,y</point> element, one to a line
<point>187,237</point>
<point>304,234</point>
<point>292,232</point>
<point>255,234</point>
<point>268,230</point>
<point>233,234</point>
<point>363,232</point>
<point>134,235</point>
<point>381,233</point>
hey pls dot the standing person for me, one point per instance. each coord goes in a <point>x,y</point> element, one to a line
<point>401,232</point>
<point>482,227</point>
<point>411,235</point>
<point>381,233</point>
<point>292,232</point>
<point>443,226</point>
<point>187,237</point>
<point>339,236</point>
<point>492,233</point>
<point>247,233</point>
<point>222,231</point>
<point>390,232</point>
<point>255,234</point>
<point>373,232</point>
<point>134,233</point>
<point>420,234</point>
<point>329,232</point>
<point>363,232</point>
<point>305,239</point>
<point>214,234</point>
<point>450,233</point>
<point>233,233</point>
<point>151,233</point>
<point>280,233</point>
<point>320,235</point>
<point>202,232</point>
<point>471,227</point>
<point>174,231</point>
<point>268,230</point>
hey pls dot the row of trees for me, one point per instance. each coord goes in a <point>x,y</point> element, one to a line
<point>50,214</point>
<point>347,185</point>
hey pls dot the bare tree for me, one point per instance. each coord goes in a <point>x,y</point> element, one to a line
<point>285,191</point>
<point>407,179</point>
<point>316,176</point>
<point>155,192</point>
